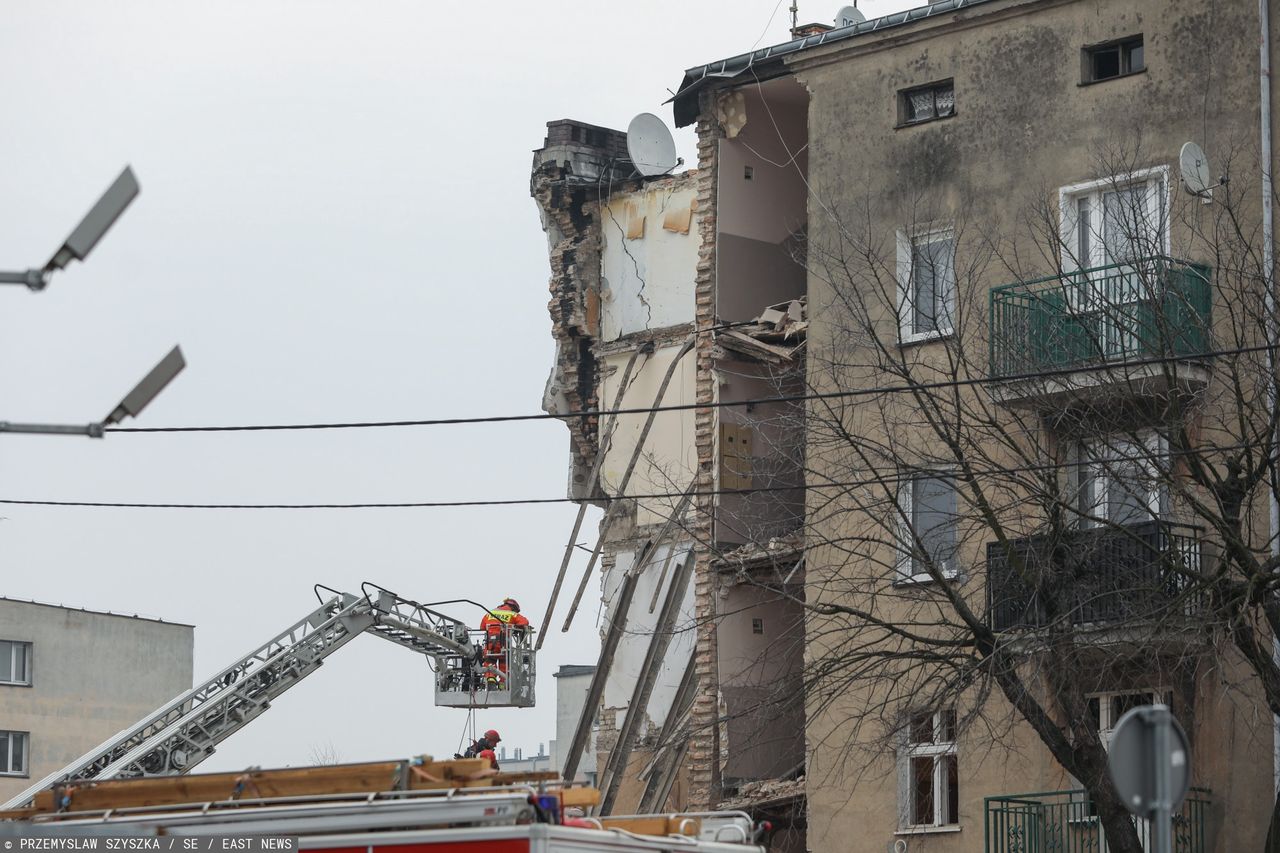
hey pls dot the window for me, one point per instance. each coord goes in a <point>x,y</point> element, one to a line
<point>1115,220</point>
<point>926,103</point>
<point>15,662</point>
<point>930,771</point>
<point>928,504</point>
<point>1107,708</point>
<point>1113,59</point>
<point>757,626</point>
<point>1113,232</point>
<point>927,285</point>
<point>13,753</point>
<point>1119,480</point>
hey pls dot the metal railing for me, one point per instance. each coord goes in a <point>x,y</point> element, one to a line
<point>1093,575</point>
<point>1066,822</point>
<point>1146,308</point>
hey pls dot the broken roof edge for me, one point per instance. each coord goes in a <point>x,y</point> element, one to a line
<point>767,62</point>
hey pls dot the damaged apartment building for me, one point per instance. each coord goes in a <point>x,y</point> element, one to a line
<point>970,215</point>
<point>698,687</point>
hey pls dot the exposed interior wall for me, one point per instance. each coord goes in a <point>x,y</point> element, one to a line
<point>776,439</point>
<point>667,461</point>
<point>649,251</point>
<point>761,655</point>
<point>762,201</point>
<point>640,627</point>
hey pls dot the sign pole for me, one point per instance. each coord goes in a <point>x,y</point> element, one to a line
<point>1162,807</point>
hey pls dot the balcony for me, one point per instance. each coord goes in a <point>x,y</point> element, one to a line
<point>1099,330</point>
<point>1106,575</point>
<point>1059,821</point>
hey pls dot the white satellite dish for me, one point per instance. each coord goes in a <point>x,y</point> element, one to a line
<point>652,149</point>
<point>1194,166</point>
<point>848,16</point>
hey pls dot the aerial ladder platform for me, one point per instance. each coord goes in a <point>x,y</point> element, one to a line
<point>470,672</point>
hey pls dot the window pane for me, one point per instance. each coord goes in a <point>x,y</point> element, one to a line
<point>932,284</point>
<point>1127,493</point>
<point>1126,223</point>
<point>4,752</point>
<point>1106,63</point>
<point>1126,702</point>
<point>1095,712</point>
<point>1135,57</point>
<point>6,661</point>
<point>933,514</point>
<point>947,726</point>
<point>923,290</point>
<point>21,663</point>
<point>920,105</point>
<point>922,791</point>
<point>19,752</point>
<point>1084,239</point>
<point>922,728</point>
<point>945,99</point>
<point>951,775</point>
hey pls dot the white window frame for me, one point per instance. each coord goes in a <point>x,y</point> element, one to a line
<point>1141,447</point>
<point>941,793</point>
<point>6,761</point>
<point>1157,180</point>
<point>18,650</point>
<point>907,541</point>
<point>908,239</point>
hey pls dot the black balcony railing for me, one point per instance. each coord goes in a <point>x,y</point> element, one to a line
<point>1094,575</point>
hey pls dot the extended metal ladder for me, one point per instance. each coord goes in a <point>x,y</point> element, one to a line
<point>186,730</point>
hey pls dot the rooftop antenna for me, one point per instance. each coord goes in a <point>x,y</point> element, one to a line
<point>795,18</point>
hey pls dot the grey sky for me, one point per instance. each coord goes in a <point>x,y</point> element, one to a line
<point>335,225</point>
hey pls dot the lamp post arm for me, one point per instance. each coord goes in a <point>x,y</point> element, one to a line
<point>33,279</point>
<point>91,430</point>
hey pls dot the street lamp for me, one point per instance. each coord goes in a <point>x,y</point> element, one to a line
<point>131,406</point>
<point>85,236</point>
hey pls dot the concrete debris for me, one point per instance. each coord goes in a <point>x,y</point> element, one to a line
<point>779,549</point>
<point>764,792</point>
<point>775,337</point>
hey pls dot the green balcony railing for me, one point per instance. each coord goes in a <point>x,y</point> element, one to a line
<point>1066,822</point>
<point>1149,308</point>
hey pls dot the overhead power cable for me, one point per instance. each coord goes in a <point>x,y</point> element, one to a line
<point>852,393</point>
<point>890,479</point>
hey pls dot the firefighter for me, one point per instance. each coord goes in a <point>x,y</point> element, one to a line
<point>497,624</point>
<point>488,742</point>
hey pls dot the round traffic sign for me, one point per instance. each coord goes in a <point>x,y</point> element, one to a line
<point>1136,760</point>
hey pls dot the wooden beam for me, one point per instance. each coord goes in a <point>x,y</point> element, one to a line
<point>262,784</point>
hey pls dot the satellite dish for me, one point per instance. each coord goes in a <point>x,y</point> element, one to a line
<point>652,149</point>
<point>1194,166</point>
<point>848,16</point>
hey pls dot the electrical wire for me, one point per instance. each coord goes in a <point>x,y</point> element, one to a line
<point>894,479</point>
<point>871,391</point>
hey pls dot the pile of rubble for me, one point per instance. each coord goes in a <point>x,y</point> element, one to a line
<point>766,791</point>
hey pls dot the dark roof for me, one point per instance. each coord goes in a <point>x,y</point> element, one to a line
<point>768,61</point>
<point>574,669</point>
